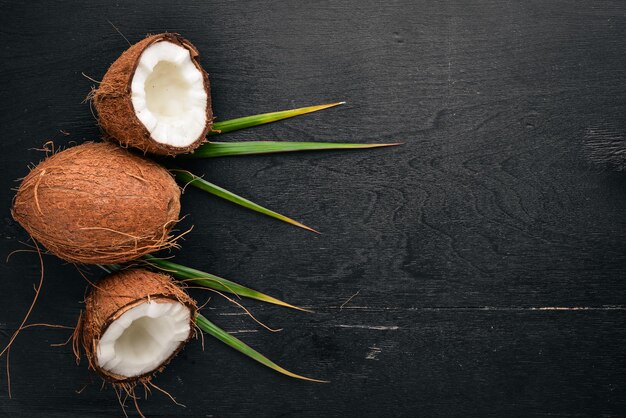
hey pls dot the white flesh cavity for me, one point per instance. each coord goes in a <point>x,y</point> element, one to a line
<point>144,337</point>
<point>167,92</point>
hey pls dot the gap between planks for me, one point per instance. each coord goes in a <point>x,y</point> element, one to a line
<point>490,308</point>
<point>457,308</point>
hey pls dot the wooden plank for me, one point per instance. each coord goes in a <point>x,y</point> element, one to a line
<point>485,258</point>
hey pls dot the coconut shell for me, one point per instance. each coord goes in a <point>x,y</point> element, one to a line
<point>111,297</point>
<point>97,203</point>
<point>116,113</point>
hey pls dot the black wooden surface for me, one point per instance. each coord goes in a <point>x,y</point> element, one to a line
<point>487,255</point>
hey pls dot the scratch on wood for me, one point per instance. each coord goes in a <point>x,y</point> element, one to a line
<point>242,331</point>
<point>373,353</point>
<point>374,327</point>
<point>349,299</point>
<point>579,308</point>
<point>556,308</point>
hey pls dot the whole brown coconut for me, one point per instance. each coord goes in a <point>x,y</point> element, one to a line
<point>135,321</point>
<point>156,97</point>
<point>97,203</point>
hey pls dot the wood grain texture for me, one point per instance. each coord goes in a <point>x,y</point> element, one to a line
<point>461,244</point>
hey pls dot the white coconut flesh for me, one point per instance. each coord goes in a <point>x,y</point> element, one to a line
<point>168,95</point>
<point>144,337</point>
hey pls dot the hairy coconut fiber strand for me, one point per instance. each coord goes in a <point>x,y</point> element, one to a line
<point>119,294</point>
<point>118,116</point>
<point>97,203</point>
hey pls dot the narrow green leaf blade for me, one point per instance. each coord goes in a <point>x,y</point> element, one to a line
<point>189,178</point>
<point>212,281</point>
<point>263,118</point>
<point>225,149</point>
<point>210,328</point>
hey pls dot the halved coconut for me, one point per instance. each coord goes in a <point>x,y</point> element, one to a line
<point>156,97</point>
<point>97,203</point>
<point>135,321</point>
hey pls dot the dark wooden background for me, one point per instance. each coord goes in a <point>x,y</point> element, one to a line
<point>488,254</point>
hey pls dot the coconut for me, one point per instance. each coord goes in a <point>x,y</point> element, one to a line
<point>156,97</point>
<point>98,203</point>
<point>135,321</point>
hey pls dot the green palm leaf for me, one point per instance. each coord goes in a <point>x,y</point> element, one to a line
<point>213,330</point>
<point>189,178</point>
<point>213,282</point>
<point>225,149</point>
<point>263,118</point>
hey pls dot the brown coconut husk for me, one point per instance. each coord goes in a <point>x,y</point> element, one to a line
<point>112,100</point>
<point>97,203</point>
<point>111,298</point>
